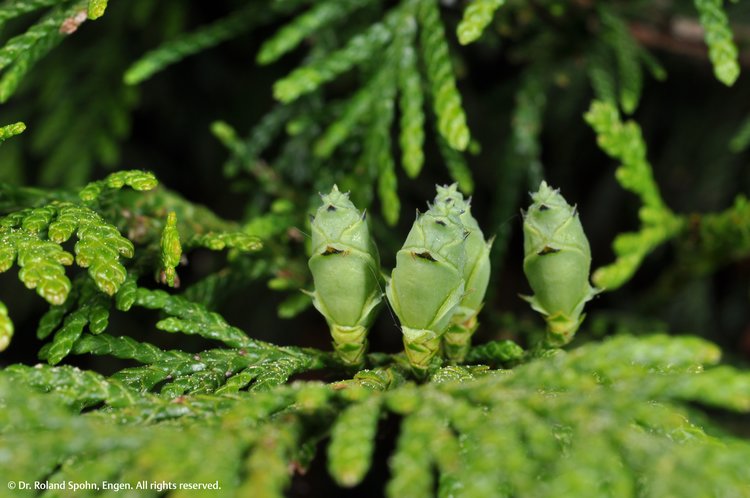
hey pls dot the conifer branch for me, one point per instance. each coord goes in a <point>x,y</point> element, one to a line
<point>477,16</point>
<point>11,130</point>
<point>446,99</point>
<point>191,43</point>
<point>721,48</point>
<point>624,141</point>
<point>538,421</point>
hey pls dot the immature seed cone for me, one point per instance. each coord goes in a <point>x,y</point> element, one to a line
<point>457,339</point>
<point>557,262</point>
<point>346,271</point>
<point>428,282</point>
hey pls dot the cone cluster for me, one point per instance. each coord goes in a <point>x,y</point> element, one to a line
<point>442,271</point>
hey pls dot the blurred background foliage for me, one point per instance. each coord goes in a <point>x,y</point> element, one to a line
<point>196,93</point>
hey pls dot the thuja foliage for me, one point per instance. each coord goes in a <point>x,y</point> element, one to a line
<point>162,354</point>
<point>33,237</point>
<point>597,430</point>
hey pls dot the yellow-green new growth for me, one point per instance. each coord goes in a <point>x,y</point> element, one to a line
<point>557,262</point>
<point>6,327</point>
<point>623,141</point>
<point>457,339</point>
<point>428,282</point>
<point>11,130</point>
<point>477,16</point>
<point>135,179</point>
<point>346,270</point>
<point>171,250</point>
<point>96,8</point>
<point>718,36</point>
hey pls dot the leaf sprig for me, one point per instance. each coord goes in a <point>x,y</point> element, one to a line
<point>624,142</point>
<point>539,421</point>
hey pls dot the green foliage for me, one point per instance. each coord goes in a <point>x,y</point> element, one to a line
<point>178,373</point>
<point>6,327</point>
<point>245,154</point>
<point>33,239</point>
<point>476,18</point>
<point>721,47</point>
<point>190,318</point>
<point>540,422</point>
<point>616,60</point>
<point>96,8</point>
<point>530,102</point>
<point>715,239</point>
<point>16,8</point>
<point>445,96</point>
<point>92,310</point>
<point>21,52</point>
<point>354,111</point>
<point>308,78</point>
<point>171,250</point>
<point>411,464</point>
<point>352,441</point>
<point>188,44</point>
<point>705,241</point>
<point>741,139</point>
<point>291,35</point>
<point>496,353</point>
<point>11,130</point>
<point>601,73</point>
<point>389,57</point>
<point>623,141</point>
<point>410,104</point>
<point>40,262</point>
<point>627,51</point>
<point>377,152</point>
<point>374,100</point>
<point>99,245</point>
<point>137,180</point>
<point>236,240</point>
